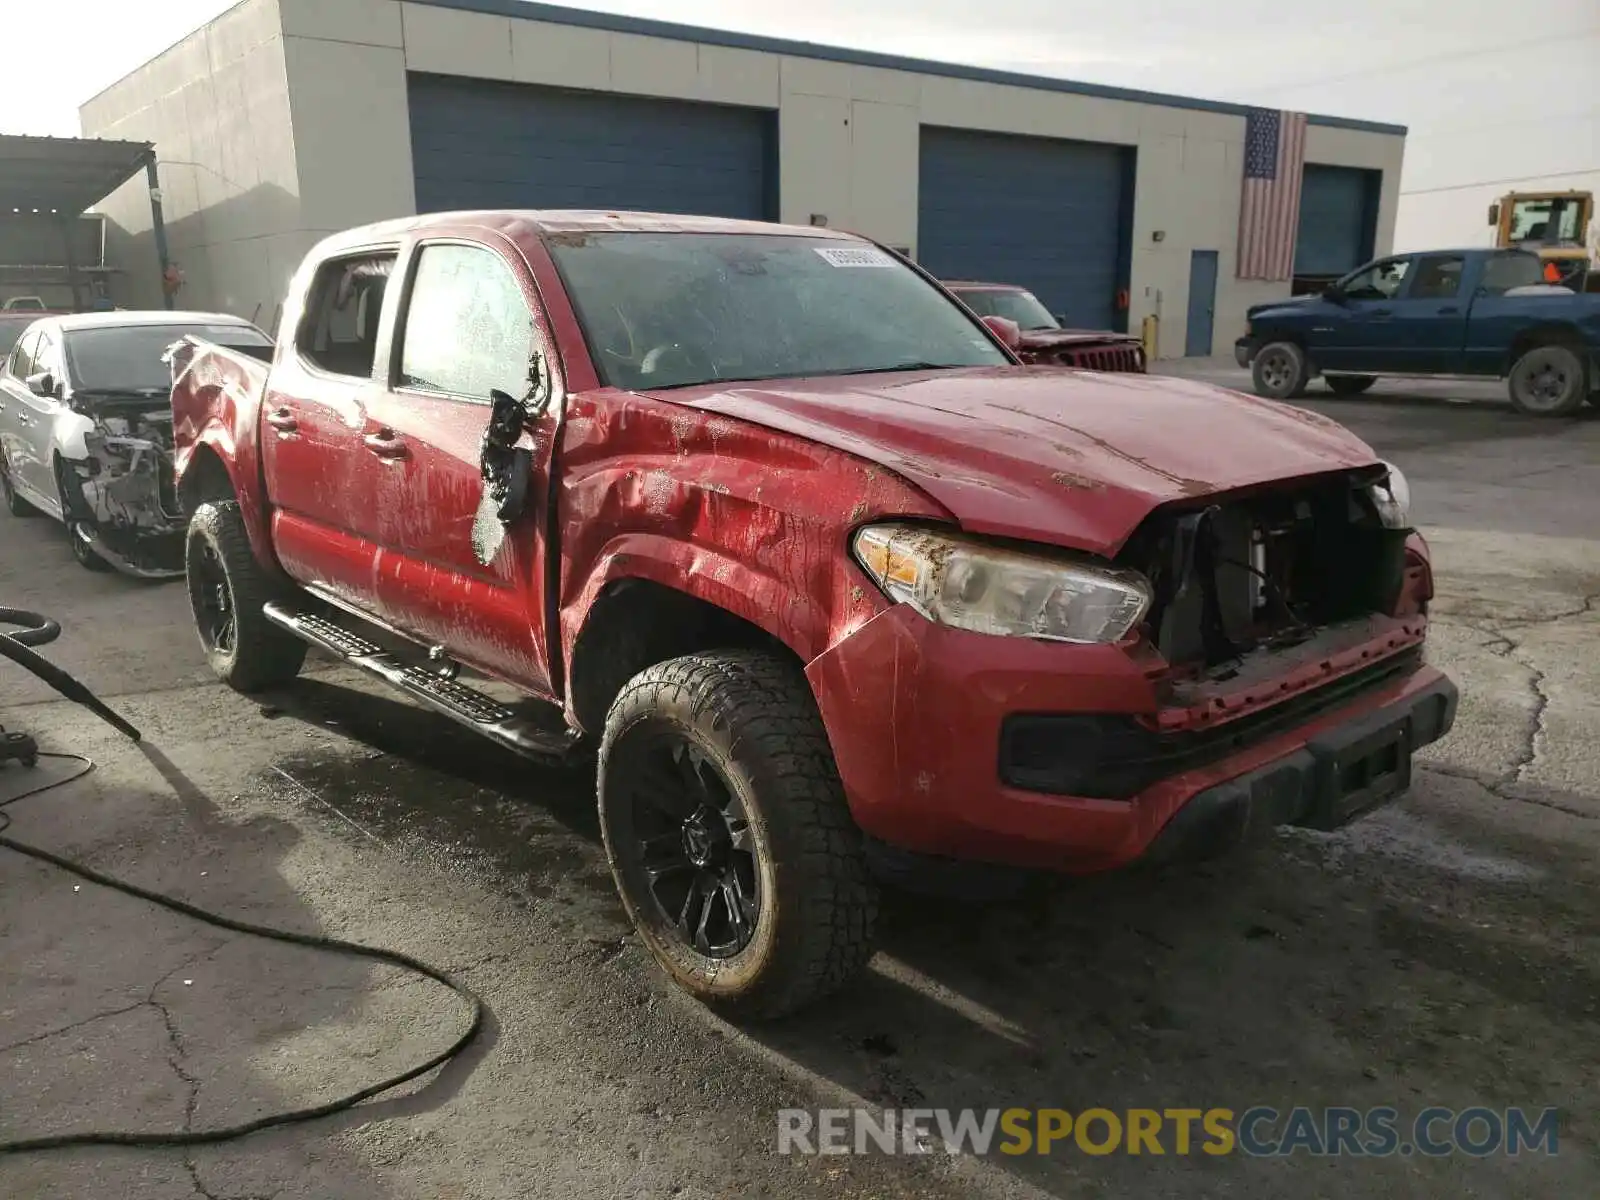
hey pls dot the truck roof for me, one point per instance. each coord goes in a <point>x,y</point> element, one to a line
<point>513,222</point>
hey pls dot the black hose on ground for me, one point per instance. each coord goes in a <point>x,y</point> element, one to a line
<point>40,630</point>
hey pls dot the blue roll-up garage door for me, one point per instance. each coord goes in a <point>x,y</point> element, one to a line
<point>1049,215</point>
<point>1338,209</point>
<point>478,144</point>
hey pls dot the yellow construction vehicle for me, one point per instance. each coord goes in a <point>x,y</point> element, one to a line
<point>1555,225</point>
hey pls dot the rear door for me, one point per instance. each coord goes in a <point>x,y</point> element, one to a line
<point>16,414</point>
<point>314,416</point>
<point>1431,316</point>
<point>470,324</point>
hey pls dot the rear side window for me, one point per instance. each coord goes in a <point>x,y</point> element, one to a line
<point>1506,271</point>
<point>468,328</point>
<point>1438,277</point>
<point>339,332</point>
<point>22,357</point>
<point>10,331</point>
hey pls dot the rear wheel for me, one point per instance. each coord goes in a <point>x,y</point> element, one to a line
<point>728,834</point>
<point>1350,385</point>
<point>1549,381</point>
<point>1280,371</point>
<point>227,590</point>
<point>15,504</point>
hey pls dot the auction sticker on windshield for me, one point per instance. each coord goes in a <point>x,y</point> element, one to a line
<point>854,256</point>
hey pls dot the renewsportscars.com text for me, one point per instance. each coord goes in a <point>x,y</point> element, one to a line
<point>1258,1132</point>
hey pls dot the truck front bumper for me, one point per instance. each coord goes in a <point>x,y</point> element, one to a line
<point>1244,351</point>
<point>923,721</point>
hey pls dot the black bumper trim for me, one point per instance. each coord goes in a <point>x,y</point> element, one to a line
<point>1313,787</point>
<point>1244,350</point>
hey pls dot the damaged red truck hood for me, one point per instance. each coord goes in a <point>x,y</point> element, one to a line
<point>1063,458</point>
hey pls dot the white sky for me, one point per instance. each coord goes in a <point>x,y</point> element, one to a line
<point>1491,91</point>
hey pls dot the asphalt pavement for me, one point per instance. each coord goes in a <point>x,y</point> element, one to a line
<point>1443,952</point>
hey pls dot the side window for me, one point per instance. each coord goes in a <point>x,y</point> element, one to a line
<point>468,328</point>
<point>339,331</point>
<point>1437,277</point>
<point>46,357</point>
<point>1506,271</point>
<point>21,364</point>
<point>1380,281</point>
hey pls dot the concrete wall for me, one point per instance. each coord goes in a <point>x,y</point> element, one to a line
<point>848,134</point>
<point>216,106</point>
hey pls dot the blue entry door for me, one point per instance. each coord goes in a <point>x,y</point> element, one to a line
<point>1202,303</point>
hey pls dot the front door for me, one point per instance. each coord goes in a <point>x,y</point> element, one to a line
<point>468,328</point>
<point>314,419</point>
<point>38,415</point>
<point>1202,303</point>
<point>1361,332</point>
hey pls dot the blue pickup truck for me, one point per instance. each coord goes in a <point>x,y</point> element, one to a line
<point>1483,313</point>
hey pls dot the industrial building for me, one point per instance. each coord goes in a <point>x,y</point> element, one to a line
<point>283,120</point>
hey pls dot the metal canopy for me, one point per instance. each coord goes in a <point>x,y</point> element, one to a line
<point>64,175</point>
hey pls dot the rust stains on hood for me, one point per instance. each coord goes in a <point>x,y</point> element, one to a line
<point>995,446</point>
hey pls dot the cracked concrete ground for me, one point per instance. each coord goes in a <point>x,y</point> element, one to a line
<point>1444,951</point>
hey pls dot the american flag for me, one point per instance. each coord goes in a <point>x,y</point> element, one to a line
<point>1269,206</point>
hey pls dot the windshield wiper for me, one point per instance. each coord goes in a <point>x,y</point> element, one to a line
<point>905,366</point>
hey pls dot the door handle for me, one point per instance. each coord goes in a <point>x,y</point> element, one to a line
<point>1382,312</point>
<point>385,444</point>
<point>282,419</point>
<point>1448,309</point>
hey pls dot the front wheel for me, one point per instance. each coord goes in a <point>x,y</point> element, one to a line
<point>1280,371</point>
<point>79,537</point>
<point>1549,381</point>
<point>727,831</point>
<point>227,590</point>
<point>1350,385</point>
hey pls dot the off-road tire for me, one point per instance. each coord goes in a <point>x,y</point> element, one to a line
<point>15,504</point>
<point>751,718</point>
<point>1349,385</point>
<point>1280,371</point>
<point>1549,381</point>
<point>217,553</point>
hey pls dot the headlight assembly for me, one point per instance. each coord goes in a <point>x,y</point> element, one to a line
<point>970,584</point>
<point>1392,497</point>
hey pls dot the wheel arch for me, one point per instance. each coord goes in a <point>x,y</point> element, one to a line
<point>636,622</point>
<point>1549,333</point>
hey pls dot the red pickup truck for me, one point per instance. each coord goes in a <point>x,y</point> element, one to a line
<point>839,589</point>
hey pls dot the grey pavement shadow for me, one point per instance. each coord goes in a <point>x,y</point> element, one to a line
<point>124,1016</point>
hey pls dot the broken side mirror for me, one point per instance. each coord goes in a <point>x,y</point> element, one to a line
<point>42,384</point>
<point>1007,330</point>
<point>506,469</point>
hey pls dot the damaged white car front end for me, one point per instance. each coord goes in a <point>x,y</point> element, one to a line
<point>118,496</point>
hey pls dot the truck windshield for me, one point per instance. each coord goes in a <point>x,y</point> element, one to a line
<point>127,358</point>
<point>1014,304</point>
<point>666,310</point>
<point>1552,219</point>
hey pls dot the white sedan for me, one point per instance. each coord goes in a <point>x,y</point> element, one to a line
<point>86,430</point>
